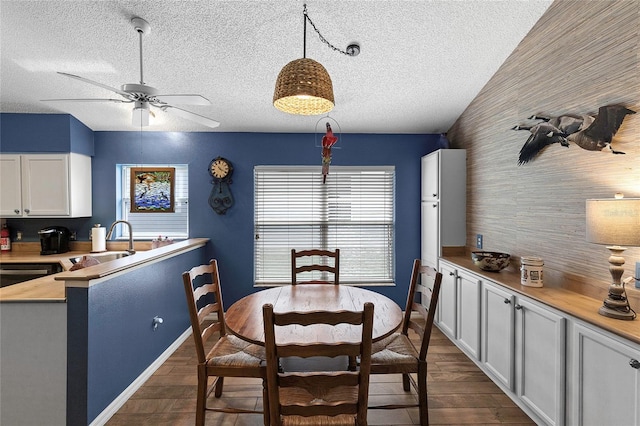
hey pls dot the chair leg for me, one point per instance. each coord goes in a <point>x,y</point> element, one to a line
<point>219,384</point>
<point>406,383</point>
<point>423,403</point>
<point>201,397</point>
<point>265,404</point>
<point>353,363</point>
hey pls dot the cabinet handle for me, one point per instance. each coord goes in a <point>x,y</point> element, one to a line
<point>435,195</point>
<point>507,301</point>
<point>451,274</point>
<point>518,307</point>
<point>434,206</point>
<point>27,211</point>
<point>16,211</point>
<point>634,363</point>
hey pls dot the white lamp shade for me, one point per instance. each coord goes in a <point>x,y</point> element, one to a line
<point>614,221</point>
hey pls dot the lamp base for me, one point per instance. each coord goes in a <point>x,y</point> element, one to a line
<point>616,304</point>
<point>617,314</point>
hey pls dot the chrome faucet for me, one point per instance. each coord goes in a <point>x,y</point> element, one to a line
<point>130,250</point>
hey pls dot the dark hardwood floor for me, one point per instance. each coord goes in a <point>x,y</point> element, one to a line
<point>459,393</point>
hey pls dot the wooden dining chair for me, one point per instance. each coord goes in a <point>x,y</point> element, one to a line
<point>229,356</point>
<point>317,397</point>
<point>307,262</point>
<point>397,354</point>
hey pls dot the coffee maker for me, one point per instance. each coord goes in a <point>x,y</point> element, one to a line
<point>54,240</point>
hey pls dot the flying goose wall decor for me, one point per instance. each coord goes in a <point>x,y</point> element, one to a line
<point>592,132</point>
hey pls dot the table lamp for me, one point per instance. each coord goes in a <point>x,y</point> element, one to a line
<point>616,222</point>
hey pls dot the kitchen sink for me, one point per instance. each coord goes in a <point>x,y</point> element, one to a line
<point>102,257</point>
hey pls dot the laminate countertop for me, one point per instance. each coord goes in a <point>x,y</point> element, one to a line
<point>52,287</point>
<point>552,294</point>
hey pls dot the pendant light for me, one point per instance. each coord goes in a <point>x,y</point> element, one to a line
<point>304,86</point>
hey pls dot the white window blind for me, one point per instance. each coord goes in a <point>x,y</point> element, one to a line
<point>352,211</point>
<point>152,225</point>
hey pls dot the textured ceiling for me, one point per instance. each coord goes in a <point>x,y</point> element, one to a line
<point>421,62</point>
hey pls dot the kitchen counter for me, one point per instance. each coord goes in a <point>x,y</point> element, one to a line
<point>52,287</point>
<point>95,326</point>
<point>553,294</point>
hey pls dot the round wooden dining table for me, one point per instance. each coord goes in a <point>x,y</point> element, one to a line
<point>244,318</point>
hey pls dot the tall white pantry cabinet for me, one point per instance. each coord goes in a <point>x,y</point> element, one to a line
<point>443,203</point>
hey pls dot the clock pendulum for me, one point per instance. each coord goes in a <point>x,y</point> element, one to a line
<point>220,198</point>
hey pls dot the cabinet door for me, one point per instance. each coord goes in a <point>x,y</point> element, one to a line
<point>606,379</point>
<point>430,233</point>
<point>540,366</point>
<point>469,294</point>
<point>447,302</point>
<point>498,334</point>
<point>45,185</point>
<point>431,176</point>
<point>10,186</point>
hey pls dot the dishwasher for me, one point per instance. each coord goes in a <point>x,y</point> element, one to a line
<point>14,273</point>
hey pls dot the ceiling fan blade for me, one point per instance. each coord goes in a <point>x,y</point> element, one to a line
<point>190,116</point>
<point>95,83</point>
<point>183,99</point>
<point>120,101</point>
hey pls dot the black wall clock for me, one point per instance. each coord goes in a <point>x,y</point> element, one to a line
<point>221,198</point>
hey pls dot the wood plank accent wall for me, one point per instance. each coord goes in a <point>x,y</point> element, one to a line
<point>580,55</point>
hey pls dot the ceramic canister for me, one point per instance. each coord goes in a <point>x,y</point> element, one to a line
<point>531,271</point>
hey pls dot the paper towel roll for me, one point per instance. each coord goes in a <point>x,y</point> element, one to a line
<point>98,239</point>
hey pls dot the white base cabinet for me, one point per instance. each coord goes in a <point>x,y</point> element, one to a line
<point>459,308</point>
<point>517,342</point>
<point>446,312</point>
<point>557,368</point>
<point>540,360</point>
<point>604,377</point>
<point>45,185</point>
<point>523,348</point>
<point>468,314</point>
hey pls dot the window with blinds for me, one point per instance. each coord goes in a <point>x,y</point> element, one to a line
<point>352,211</point>
<point>152,225</point>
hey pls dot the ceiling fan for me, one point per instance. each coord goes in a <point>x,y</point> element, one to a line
<point>143,96</point>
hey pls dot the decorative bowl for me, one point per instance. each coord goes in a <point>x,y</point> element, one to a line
<point>490,260</point>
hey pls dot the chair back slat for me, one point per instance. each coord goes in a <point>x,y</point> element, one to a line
<point>318,393</point>
<point>304,262</point>
<point>319,317</point>
<point>204,299</point>
<point>305,350</point>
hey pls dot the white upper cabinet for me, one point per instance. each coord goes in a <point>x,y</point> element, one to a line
<point>443,206</point>
<point>45,185</point>
<point>10,186</point>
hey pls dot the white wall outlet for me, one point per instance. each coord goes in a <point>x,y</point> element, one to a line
<point>637,276</point>
<point>479,241</point>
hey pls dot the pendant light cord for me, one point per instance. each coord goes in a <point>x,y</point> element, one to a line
<point>304,37</point>
<point>322,39</point>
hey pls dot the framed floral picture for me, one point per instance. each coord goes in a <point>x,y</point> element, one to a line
<point>152,189</point>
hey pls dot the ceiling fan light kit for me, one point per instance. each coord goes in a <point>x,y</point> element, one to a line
<point>303,86</point>
<point>144,97</point>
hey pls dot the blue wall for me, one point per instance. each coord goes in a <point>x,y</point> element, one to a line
<point>38,133</point>
<point>232,234</point>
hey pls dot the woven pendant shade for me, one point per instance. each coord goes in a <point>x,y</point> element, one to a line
<point>304,87</point>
